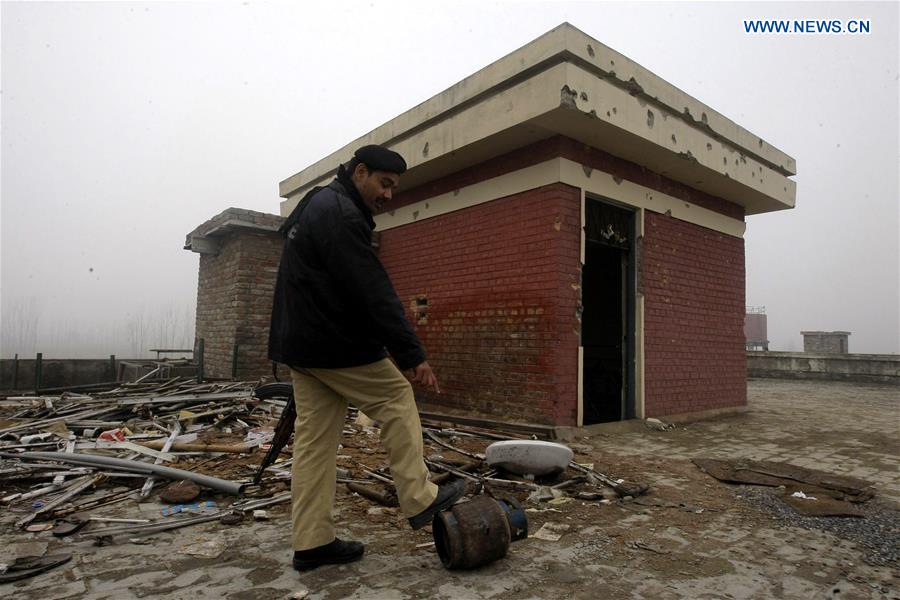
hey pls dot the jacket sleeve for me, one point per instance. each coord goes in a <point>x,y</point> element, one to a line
<point>349,257</point>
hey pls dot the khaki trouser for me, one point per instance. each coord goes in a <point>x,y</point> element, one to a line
<point>321,397</point>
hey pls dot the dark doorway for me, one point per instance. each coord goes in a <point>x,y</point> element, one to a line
<point>607,323</point>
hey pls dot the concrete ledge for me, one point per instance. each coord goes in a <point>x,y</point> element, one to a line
<point>703,415</point>
<point>638,425</point>
<point>871,368</point>
<point>572,433</point>
<point>205,238</point>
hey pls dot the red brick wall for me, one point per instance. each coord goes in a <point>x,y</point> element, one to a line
<point>692,279</point>
<point>501,282</point>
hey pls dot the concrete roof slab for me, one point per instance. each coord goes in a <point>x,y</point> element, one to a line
<point>568,83</point>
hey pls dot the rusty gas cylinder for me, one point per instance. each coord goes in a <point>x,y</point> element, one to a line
<point>477,532</point>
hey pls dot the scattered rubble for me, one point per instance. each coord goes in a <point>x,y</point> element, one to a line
<point>808,491</point>
<point>29,566</point>
<point>689,537</point>
<point>657,425</point>
<point>197,450</point>
<point>876,532</point>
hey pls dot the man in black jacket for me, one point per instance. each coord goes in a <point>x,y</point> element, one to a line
<point>335,318</point>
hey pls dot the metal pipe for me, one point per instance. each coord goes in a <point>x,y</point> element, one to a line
<point>148,485</point>
<point>102,500</point>
<point>67,418</point>
<point>156,527</point>
<point>378,476</point>
<point>162,399</point>
<point>441,442</point>
<point>449,469</point>
<point>221,485</point>
<point>80,484</point>
<point>621,489</point>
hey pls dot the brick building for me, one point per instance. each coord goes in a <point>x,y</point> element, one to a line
<point>569,237</point>
<point>826,342</point>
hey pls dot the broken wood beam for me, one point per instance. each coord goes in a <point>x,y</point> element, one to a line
<point>200,447</point>
<point>388,498</point>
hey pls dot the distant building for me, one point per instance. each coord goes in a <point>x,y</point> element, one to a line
<point>756,328</point>
<point>825,342</point>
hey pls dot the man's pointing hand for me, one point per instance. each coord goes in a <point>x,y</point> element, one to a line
<point>423,375</point>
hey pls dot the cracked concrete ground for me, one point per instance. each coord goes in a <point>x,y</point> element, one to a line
<point>691,537</point>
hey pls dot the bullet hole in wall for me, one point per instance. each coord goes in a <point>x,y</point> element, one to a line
<point>420,309</point>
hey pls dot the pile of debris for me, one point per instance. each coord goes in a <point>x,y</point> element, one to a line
<point>63,456</point>
<point>60,452</point>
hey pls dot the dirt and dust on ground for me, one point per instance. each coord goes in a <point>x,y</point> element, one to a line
<point>689,536</point>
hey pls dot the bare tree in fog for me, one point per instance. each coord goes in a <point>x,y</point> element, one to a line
<point>173,328</point>
<point>167,327</point>
<point>24,332</point>
<point>135,330</point>
<point>19,327</point>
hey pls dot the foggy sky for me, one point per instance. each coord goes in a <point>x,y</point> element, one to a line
<point>124,126</point>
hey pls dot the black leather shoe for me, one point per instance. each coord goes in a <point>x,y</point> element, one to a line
<point>333,553</point>
<point>447,496</point>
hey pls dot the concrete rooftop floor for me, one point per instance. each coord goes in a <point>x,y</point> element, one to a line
<point>691,537</point>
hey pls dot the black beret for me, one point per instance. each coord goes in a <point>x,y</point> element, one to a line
<point>379,158</point>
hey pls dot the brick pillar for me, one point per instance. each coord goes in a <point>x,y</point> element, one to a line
<point>239,254</point>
